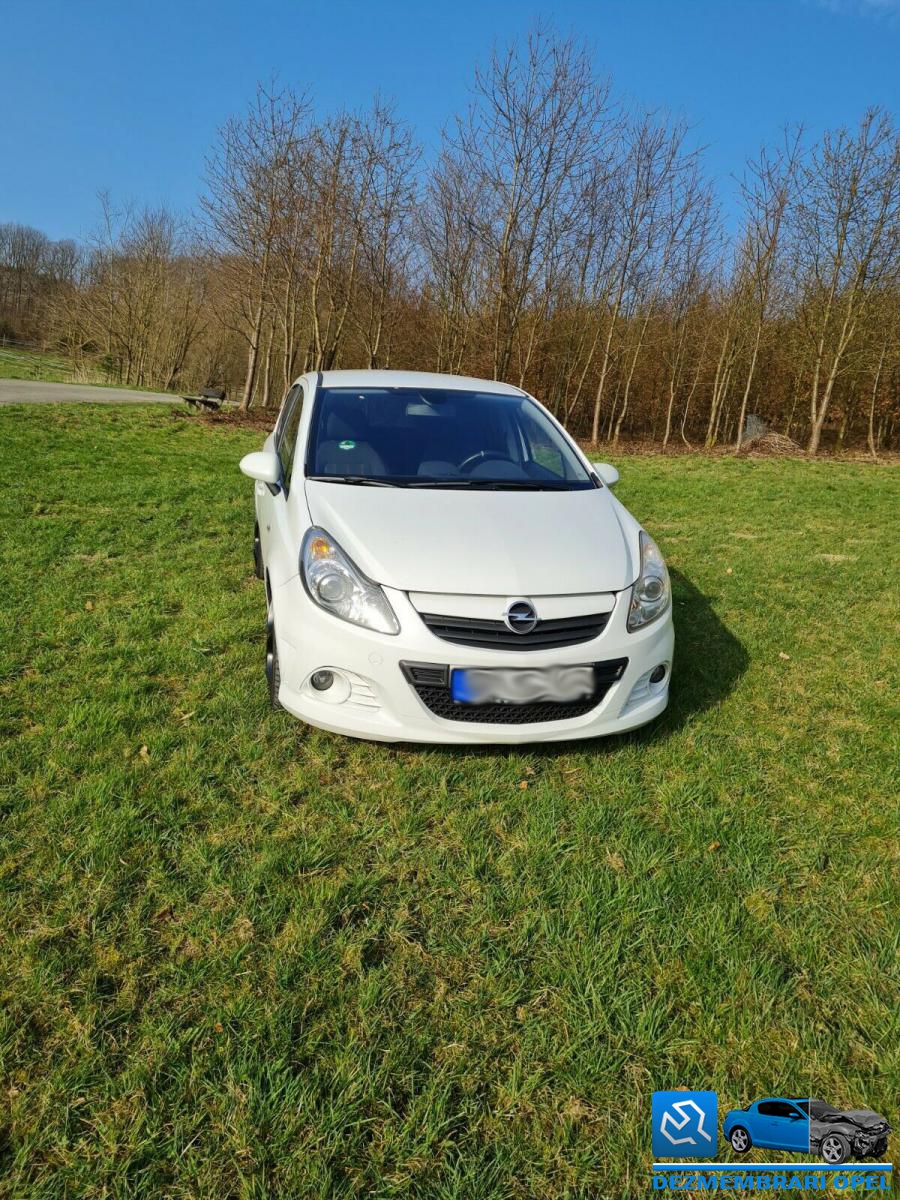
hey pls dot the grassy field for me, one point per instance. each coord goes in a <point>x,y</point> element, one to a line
<point>46,367</point>
<point>243,958</point>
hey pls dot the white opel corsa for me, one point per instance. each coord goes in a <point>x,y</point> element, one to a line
<point>443,564</point>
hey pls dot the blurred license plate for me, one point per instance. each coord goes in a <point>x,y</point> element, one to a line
<point>521,685</point>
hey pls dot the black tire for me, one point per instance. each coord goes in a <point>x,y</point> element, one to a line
<point>743,1139</point>
<point>835,1149</point>
<point>879,1149</point>
<point>257,554</point>
<point>273,667</point>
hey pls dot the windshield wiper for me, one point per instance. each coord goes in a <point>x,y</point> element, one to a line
<point>527,485</point>
<point>450,482</point>
<point>362,480</point>
<point>491,485</point>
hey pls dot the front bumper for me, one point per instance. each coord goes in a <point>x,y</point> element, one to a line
<point>373,698</point>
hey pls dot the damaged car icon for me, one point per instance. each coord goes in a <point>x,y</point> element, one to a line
<point>807,1127</point>
<point>835,1135</point>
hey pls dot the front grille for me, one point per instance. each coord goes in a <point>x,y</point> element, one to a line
<point>494,635</point>
<point>432,685</point>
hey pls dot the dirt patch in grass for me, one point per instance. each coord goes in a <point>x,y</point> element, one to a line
<point>771,445</point>
<point>262,418</point>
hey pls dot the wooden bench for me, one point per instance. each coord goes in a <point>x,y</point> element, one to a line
<point>210,398</point>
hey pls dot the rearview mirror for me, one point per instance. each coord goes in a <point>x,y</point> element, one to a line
<point>607,473</point>
<point>264,465</point>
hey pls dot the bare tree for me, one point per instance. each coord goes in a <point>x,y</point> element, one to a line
<point>251,180</point>
<point>767,192</point>
<point>33,271</point>
<point>139,302</point>
<point>448,231</point>
<point>389,157</point>
<point>689,268</point>
<point>846,245</point>
<point>336,233</point>
<point>652,162</point>
<point>527,143</point>
<point>674,223</point>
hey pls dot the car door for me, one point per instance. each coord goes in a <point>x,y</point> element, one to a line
<point>786,1127</point>
<point>284,539</point>
<point>796,1130</point>
<point>267,495</point>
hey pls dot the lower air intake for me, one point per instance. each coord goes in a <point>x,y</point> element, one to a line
<point>432,685</point>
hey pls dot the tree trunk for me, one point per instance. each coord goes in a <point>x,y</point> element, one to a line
<point>871,432</point>
<point>250,377</point>
<point>604,368</point>
<point>750,370</point>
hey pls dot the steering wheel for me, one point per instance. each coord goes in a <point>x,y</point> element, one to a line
<point>483,456</point>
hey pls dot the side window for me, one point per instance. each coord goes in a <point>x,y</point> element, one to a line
<point>778,1108</point>
<point>540,445</point>
<point>285,409</point>
<point>287,446</point>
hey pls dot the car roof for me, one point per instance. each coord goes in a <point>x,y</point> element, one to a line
<point>416,379</point>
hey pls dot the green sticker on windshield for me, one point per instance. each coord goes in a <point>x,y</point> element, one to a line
<point>346,445</point>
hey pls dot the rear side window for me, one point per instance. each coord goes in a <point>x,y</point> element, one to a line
<point>287,445</point>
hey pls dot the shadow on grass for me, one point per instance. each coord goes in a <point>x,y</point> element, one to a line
<point>709,661</point>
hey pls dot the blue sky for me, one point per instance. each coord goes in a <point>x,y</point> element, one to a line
<point>127,96</point>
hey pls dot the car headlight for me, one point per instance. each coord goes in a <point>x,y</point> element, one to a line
<point>336,584</point>
<point>651,594</point>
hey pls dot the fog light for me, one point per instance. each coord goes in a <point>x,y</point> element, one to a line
<point>658,674</point>
<point>321,680</point>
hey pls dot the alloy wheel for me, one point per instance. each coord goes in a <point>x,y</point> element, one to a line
<point>832,1150</point>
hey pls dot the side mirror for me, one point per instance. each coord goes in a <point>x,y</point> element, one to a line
<point>607,472</point>
<point>264,465</point>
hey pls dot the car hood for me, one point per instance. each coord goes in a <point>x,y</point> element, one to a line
<point>506,543</point>
<point>864,1117</point>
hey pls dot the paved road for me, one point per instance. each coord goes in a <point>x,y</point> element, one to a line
<point>27,391</point>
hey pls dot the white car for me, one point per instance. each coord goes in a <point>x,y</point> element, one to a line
<point>443,564</point>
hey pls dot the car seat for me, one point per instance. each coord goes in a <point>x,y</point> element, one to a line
<point>347,449</point>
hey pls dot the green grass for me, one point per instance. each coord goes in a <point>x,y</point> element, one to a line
<point>244,958</point>
<point>45,367</point>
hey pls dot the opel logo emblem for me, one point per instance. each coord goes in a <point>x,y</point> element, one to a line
<point>520,616</point>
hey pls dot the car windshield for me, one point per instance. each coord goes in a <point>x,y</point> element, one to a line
<point>443,438</point>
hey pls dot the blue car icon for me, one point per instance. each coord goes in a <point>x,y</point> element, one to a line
<point>807,1127</point>
<point>772,1124</point>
